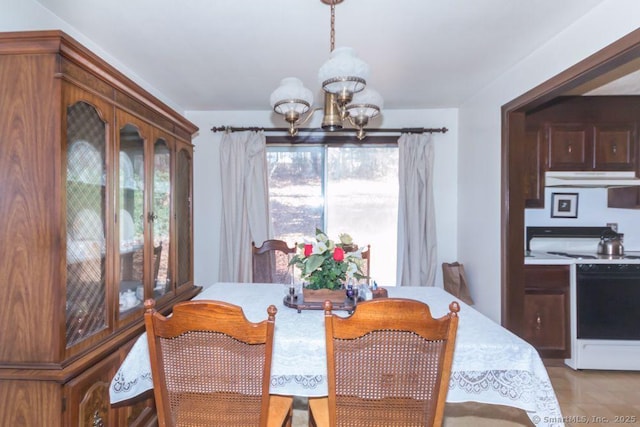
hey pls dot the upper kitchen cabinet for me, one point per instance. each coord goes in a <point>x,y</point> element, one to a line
<point>568,146</point>
<point>533,165</point>
<point>614,146</point>
<point>96,207</point>
<point>591,146</point>
<point>580,133</point>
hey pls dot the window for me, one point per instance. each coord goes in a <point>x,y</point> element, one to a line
<point>340,189</point>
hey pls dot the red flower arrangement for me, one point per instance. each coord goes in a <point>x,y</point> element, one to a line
<point>326,264</point>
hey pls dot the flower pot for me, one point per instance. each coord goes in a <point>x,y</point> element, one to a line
<point>321,295</point>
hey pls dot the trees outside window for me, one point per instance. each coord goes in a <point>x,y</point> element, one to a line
<point>339,189</point>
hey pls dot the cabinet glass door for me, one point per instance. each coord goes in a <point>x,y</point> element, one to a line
<point>131,199</point>
<point>161,217</point>
<point>183,216</point>
<point>85,204</point>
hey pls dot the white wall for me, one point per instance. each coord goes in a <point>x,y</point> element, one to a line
<point>479,205</point>
<point>207,191</point>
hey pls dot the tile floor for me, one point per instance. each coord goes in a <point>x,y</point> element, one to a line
<point>597,398</point>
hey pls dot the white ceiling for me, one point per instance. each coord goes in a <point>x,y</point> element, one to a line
<point>231,54</point>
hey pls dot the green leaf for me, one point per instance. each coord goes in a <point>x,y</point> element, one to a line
<point>313,262</point>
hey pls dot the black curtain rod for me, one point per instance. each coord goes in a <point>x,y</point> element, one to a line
<point>320,130</point>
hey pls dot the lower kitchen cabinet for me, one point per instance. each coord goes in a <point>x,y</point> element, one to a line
<point>546,309</point>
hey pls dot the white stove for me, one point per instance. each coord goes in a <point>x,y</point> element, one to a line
<point>604,294</point>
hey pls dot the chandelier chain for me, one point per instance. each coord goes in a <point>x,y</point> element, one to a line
<point>333,25</point>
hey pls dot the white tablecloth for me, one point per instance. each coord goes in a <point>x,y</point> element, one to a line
<point>490,364</point>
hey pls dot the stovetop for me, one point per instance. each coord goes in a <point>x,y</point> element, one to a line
<point>590,256</point>
<point>572,245</point>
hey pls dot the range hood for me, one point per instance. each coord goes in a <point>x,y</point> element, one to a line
<point>591,179</point>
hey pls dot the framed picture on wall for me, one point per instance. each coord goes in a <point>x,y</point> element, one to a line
<point>564,205</point>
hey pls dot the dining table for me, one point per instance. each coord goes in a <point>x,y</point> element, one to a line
<point>491,365</point>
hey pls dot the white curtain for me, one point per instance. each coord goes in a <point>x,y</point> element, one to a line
<point>245,202</point>
<point>416,213</point>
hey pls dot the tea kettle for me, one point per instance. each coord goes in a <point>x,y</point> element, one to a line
<point>610,243</point>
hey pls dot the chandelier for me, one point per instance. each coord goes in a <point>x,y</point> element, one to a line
<point>346,94</point>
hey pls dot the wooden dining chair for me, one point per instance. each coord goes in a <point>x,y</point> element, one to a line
<point>211,366</point>
<point>366,261</point>
<point>271,261</point>
<point>388,364</point>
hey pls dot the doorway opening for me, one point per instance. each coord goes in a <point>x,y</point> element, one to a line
<point>608,64</point>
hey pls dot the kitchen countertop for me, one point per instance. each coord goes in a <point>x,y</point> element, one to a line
<point>543,258</point>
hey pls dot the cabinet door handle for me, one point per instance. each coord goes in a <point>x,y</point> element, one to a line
<point>614,149</point>
<point>569,148</point>
<point>97,420</point>
<point>152,216</point>
<point>538,321</point>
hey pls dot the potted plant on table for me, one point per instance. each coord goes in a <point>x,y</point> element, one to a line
<point>326,266</point>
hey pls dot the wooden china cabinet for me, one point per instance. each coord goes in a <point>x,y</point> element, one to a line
<point>96,208</point>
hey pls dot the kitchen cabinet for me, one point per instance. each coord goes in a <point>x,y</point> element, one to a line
<point>581,133</point>
<point>96,202</point>
<point>614,147</point>
<point>546,309</point>
<point>568,147</point>
<point>534,160</point>
<point>623,197</point>
<point>591,146</point>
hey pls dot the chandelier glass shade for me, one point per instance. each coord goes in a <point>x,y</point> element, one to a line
<point>344,73</point>
<point>347,97</point>
<point>366,103</point>
<point>291,98</point>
